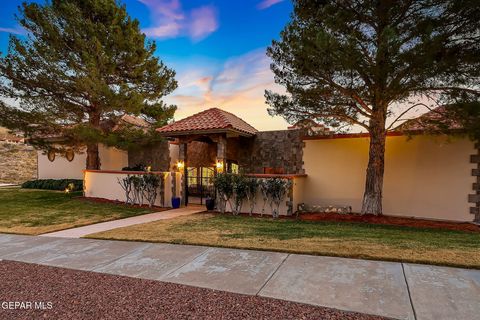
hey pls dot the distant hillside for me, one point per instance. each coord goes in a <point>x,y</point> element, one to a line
<point>6,135</point>
<point>3,133</point>
<point>18,161</point>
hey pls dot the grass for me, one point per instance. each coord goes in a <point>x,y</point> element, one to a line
<point>344,239</point>
<point>27,211</point>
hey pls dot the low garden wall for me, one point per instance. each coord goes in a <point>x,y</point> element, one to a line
<point>107,185</point>
<point>263,205</point>
<point>425,176</point>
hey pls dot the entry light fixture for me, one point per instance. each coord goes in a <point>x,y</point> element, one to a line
<point>180,165</point>
<point>219,165</point>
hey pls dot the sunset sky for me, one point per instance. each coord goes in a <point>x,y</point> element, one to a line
<point>217,48</point>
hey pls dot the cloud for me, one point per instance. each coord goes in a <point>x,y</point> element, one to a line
<point>171,21</point>
<point>238,86</point>
<point>16,30</point>
<point>203,22</point>
<point>267,4</point>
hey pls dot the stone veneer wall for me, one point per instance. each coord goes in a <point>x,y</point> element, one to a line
<point>201,154</point>
<point>474,198</point>
<point>18,162</point>
<point>157,156</point>
<point>274,149</point>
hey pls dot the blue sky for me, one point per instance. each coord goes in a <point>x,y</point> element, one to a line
<point>217,48</point>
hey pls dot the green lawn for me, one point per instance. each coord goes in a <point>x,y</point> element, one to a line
<point>356,240</point>
<point>27,211</point>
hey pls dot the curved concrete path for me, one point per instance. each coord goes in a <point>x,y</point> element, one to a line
<point>394,290</point>
<point>109,225</point>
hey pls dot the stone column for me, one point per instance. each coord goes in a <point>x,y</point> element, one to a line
<point>182,156</point>
<point>222,153</point>
<point>474,198</point>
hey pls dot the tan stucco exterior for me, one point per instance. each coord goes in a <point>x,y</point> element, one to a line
<point>425,176</point>
<point>101,184</point>
<point>61,168</point>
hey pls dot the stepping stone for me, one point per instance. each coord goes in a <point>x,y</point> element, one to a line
<point>239,271</point>
<point>444,293</point>
<point>370,287</point>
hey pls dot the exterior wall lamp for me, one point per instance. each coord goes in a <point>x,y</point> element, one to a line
<point>180,165</point>
<point>219,166</point>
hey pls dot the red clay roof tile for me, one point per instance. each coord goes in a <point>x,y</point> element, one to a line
<point>211,119</point>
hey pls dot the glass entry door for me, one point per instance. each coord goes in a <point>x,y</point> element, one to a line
<point>200,184</point>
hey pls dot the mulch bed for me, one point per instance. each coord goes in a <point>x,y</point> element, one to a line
<point>117,202</point>
<point>389,220</point>
<point>88,295</point>
<point>372,219</point>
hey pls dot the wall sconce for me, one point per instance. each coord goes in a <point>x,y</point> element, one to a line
<point>219,165</point>
<point>180,165</point>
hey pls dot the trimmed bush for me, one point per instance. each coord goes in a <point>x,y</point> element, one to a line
<point>53,184</point>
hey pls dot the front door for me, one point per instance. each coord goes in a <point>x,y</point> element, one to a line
<point>200,184</point>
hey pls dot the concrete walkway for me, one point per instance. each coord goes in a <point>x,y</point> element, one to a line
<point>109,225</point>
<point>395,290</point>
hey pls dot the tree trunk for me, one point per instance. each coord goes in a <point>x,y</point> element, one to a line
<point>93,158</point>
<point>372,198</point>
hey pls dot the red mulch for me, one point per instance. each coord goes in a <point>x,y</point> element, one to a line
<point>89,295</point>
<point>117,202</point>
<point>372,219</point>
<point>389,220</point>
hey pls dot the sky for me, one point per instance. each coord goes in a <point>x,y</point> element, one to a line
<point>217,48</point>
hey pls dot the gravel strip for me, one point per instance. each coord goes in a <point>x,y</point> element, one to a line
<point>89,295</point>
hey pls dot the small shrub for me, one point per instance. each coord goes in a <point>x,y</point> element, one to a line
<point>141,187</point>
<point>54,184</point>
<point>223,183</point>
<point>252,189</point>
<point>240,189</point>
<point>276,190</point>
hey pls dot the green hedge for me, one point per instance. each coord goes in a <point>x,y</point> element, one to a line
<point>53,184</point>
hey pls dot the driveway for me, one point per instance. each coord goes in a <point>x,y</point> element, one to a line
<point>395,290</point>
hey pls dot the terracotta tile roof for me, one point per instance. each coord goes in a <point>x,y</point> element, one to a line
<point>213,119</point>
<point>430,121</point>
<point>135,121</point>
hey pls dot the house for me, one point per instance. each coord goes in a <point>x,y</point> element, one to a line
<point>426,176</point>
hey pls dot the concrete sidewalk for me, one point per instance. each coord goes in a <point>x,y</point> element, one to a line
<point>109,225</point>
<point>395,290</point>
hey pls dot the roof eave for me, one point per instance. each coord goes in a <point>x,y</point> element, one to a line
<point>206,131</point>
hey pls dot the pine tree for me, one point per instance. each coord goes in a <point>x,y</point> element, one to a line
<point>82,64</point>
<point>348,63</point>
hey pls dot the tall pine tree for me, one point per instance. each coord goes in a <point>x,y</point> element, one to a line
<point>83,62</point>
<point>350,62</point>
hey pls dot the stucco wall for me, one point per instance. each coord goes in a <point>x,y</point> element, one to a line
<point>260,204</point>
<point>61,168</point>
<point>98,184</point>
<point>427,177</point>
